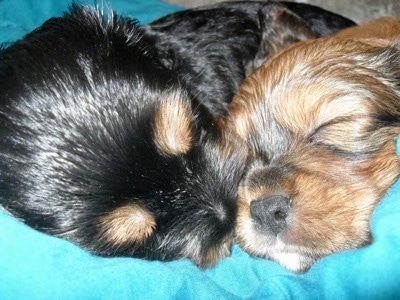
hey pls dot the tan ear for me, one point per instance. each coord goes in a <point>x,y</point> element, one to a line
<point>128,224</point>
<point>173,126</point>
<point>380,32</point>
<point>378,42</point>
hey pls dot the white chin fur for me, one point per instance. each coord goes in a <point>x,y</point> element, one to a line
<point>293,261</point>
<point>275,249</point>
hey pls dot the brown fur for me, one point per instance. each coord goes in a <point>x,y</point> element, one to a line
<point>384,29</point>
<point>320,121</point>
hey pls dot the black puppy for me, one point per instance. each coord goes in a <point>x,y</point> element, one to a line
<point>109,140</point>
<point>100,145</point>
<point>215,47</point>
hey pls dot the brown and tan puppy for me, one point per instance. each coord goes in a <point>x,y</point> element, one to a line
<point>320,121</point>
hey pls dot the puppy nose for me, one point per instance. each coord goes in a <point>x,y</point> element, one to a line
<point>270,214</point>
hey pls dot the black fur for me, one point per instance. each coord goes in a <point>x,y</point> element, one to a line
<point>215,47</point>
<point>80,107</point>
<point>77,113</point>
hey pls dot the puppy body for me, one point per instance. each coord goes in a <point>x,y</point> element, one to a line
<point>320,121</point>
<point>100,145</point>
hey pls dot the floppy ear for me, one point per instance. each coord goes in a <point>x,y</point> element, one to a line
<point>388,67</point>
<point>382,36</point>
<point>377,82</point>
<point>383,30</point>
<point>280,28</point>
<point>384,60</point>
<point>173,131</point>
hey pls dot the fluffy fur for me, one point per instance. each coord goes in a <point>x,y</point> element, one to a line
<point>108,130</point>
<point>320,121</point>
<point>215,47</point>
<point>100,145</point>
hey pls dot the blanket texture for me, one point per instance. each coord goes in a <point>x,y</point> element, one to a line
<point>37,266</point>
<point>18,17</point>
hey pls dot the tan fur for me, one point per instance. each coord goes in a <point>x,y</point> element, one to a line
<point>384,29</point>
<point>173,133</point>
<point>324,96</point>
<point>128,224</point>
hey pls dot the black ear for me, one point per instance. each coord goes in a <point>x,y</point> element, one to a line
<point>173,126</point>
<point>280,28</point>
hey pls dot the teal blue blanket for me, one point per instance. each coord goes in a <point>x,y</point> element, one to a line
<point>36,266</point>
<point>18,17</point>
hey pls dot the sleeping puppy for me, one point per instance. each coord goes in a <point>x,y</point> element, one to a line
<point>105,141</point>
<point>100,145</point>
<point>320,121</point>
<point>215,47</point>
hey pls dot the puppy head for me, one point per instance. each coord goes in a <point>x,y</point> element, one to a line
<point>183,182</point>
<point>102,146</point>
<point>320,121</point>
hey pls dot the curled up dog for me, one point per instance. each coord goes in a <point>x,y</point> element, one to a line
<point>320,121</point>
<point>102,146</point>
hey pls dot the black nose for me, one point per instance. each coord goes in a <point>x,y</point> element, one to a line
<point>270,214</point>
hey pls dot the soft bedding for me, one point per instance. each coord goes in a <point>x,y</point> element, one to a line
<point>37,266</point>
